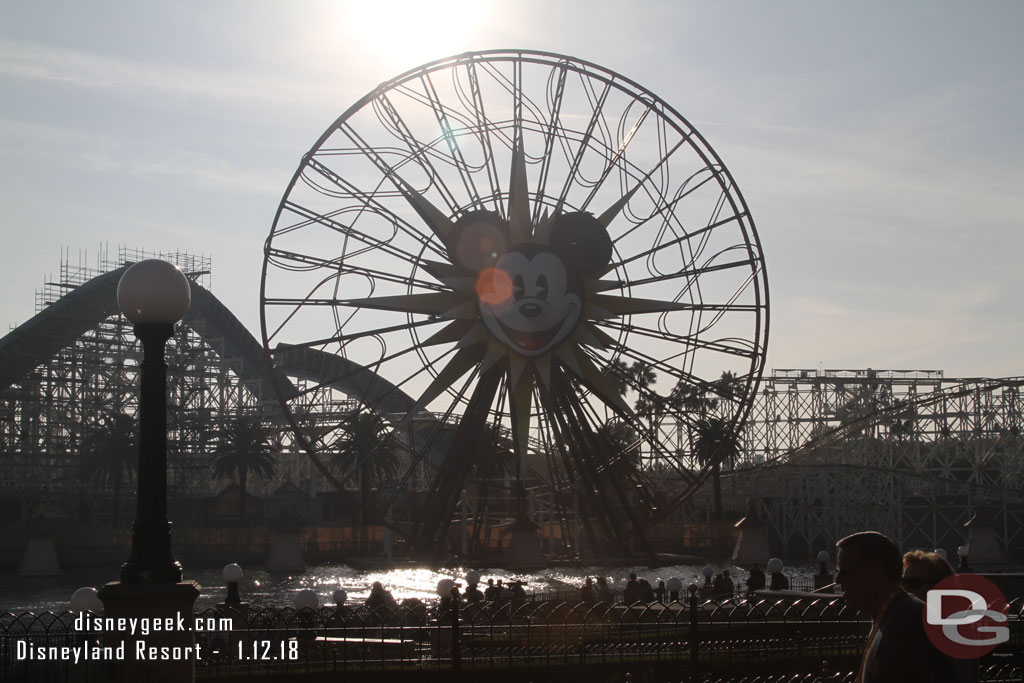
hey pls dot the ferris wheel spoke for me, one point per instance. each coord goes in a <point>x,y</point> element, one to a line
<point>420,152</point>
<point>663,366</point>
<point>613,161</point>
<point>664,208</point>
<point>574,167</point>
<point>644,434</point>
<point>448,304</point>
<point>352,336</point>
<point>579,480</point>
<point>392,173</point>
<point>330,380</point>
<point>694,273</point>
<point>606,306</point>
<point>371,274</point>
<point>459,460</point>
<point>311,217</point>
<point>743,348</point>
<point>443,120</point>
<point>684,238</point>
<point>484,126</point>
<point>461,362</point>
<point>550,137</point>
<point>589,447</point>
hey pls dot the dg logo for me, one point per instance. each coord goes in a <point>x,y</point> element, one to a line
<point>965,616</point>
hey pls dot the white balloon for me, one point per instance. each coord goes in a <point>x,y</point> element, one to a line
<point>306,599</point>
<point>86,600</point>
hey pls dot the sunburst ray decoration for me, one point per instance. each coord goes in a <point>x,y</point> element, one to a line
<point>532,291</point>
<point>516,243</point>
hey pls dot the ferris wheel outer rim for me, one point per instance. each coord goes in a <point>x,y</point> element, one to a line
<point>731,191</point>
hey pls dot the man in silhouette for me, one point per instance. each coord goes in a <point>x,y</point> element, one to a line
<point>756,581</point>
<point>898,650</point>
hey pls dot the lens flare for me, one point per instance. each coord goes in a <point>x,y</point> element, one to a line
<point>494,287</point>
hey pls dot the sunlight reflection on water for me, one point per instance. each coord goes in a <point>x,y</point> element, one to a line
<point>264,589</point>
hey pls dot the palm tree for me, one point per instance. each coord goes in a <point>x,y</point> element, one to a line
<point>638,377</point>
<point>616,372</point>
<point>715,442</point>
<point>621,459</point>
<point>109,452</point>
<point>366,448</point>
<point>242,447</point>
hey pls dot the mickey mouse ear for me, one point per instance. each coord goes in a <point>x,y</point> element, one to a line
<point>478,239</point>
<point>581,241</point>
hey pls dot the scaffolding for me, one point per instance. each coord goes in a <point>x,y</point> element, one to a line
<point>46,413</point>
<point>824,452</point>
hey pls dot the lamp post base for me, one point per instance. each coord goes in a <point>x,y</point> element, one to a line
<point>150,560</point>
<point>168,654</point>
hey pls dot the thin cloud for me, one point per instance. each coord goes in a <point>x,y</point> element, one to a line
<point>37,62</point>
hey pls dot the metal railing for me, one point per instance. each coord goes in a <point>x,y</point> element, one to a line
<point>800,639</point>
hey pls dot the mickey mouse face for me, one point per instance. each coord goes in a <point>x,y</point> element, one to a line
<point>530,296</point>
<point>539,308</point>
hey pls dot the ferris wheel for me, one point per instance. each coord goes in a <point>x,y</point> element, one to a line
<point>542,279</point>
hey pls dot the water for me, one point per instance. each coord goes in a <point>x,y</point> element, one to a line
<point>264,589</point>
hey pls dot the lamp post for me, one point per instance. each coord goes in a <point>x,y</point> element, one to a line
<point>964,566</point>
<point>823,579</point>
<point>707,590</point>
<point>232,575</point>
<point>154,295</point>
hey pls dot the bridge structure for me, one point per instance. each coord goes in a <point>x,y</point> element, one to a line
<point>824,453</point>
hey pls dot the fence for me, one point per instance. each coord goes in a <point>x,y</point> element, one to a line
<point>743,640</point>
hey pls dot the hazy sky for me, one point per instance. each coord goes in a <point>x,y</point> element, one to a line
<point>878,144</point>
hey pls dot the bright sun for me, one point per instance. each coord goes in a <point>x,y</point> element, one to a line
<point>407,30</point>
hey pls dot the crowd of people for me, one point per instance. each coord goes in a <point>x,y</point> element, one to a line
<point>877,581</point>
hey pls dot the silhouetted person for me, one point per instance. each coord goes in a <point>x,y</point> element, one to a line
<point>492,592</point>
<point>869,567</point>
<point>587,593</point>
<point>729,586</point>
<point>659,592</point>
<point>755,581</point>
<point>604,593</point>
<point>632,592</point>
<point>779,582</point>
<point>447,603</point>
<point>646,592</point>
<point>922,570</point>
<point>718,587</point>
<point>472,593</point>
<point>379,597</point>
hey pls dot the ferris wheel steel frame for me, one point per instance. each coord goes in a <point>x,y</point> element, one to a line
<point>618,228</point>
